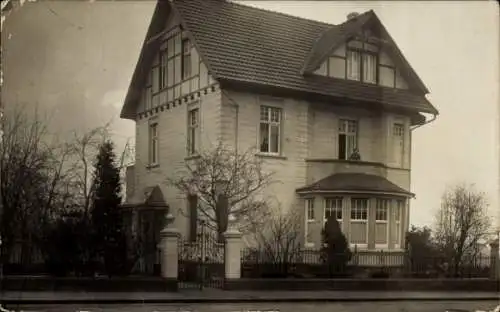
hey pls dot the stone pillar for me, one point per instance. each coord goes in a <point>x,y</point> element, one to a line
<point>494,260</point>
<point>169,253</point>
<point>232,258</point>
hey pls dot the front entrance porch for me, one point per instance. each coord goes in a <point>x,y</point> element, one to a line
<point>143,221</point>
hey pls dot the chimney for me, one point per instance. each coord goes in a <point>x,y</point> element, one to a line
<point>352,15</point>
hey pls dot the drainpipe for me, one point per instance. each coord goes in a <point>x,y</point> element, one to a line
<point>434,116</point>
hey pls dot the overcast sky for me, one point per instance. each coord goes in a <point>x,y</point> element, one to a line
<point>76,60</point>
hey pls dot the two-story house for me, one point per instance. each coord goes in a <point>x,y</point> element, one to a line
<point>329,107</point>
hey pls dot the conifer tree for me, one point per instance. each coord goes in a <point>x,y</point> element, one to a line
<point>109,239</point>
<point>335,250</point>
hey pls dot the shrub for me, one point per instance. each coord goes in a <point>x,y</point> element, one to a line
<point>335,250</point>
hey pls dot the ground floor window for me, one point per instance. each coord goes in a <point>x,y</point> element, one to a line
<point>374,222</point>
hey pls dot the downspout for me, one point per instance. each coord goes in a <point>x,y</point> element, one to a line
<point>434,116</point>
<point>407,217</point>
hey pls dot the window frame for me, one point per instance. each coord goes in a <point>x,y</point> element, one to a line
<point>307,201</point>
<point>163,72</point>
<point>153,145</point>
<point>186,71</point>
<point>362,51</point>
<point>385,221</point>
<point>269,122</point>
<point>398,154</point>
<point>344,130</point>
<point>333,210</point>
<point>398,214</point>
<point>309,210</point>
<point>355,220</point>
<point>193,131</point>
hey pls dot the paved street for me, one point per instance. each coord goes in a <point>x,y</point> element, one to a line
<point>401,306</point>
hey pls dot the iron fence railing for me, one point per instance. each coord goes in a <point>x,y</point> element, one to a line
<point>307,262</point>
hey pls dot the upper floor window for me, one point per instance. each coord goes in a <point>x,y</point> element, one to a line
<point>361,62</point>
<point>309,209</point>
<point>270,129</point>
<point>333,207</point>
<point>398,133</point>
<point>186,59</point>
<point>347,139</point>
<point>193,130</point>
<point>153,143</point>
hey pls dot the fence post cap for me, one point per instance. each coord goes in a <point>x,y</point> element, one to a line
<point>494,243</point>
<point>232,233</point>
<point>170,232</point>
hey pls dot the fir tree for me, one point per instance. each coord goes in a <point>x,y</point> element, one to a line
<point>335,250</point>
<point>109,239</point>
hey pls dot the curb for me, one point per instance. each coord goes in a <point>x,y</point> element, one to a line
<point>233,300</point>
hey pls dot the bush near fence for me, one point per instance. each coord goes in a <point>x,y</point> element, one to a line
<point>309,263</point>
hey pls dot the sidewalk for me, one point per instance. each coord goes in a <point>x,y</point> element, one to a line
<point>220,296</point>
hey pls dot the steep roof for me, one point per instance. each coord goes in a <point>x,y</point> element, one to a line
<point>246,45</point>
<point>359,182</point>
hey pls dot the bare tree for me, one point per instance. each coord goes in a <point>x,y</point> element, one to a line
<point>226,182</point>
<point>462,223</point>
<point>278,238</point>
<point>84,148</point>
<point>32,178</point>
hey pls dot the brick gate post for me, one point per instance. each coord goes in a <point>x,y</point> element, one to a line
<point>232,254</point>
<point>170,257</point>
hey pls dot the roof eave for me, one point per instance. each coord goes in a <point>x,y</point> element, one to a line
<point>311,191</point>
<point>127,111</point>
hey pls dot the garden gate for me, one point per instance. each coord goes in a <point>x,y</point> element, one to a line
<point>201,262</point>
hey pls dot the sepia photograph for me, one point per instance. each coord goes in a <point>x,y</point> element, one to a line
<point>237,156</point>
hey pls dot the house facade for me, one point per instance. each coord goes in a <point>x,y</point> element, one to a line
<point>329,108</point>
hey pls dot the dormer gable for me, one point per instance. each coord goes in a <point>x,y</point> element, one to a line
<point>362,50</point>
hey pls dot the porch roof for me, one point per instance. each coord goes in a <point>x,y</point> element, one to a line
<point>152,198</point>
<point>355,183</point>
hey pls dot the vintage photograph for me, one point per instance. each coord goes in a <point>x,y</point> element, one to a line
<point>232,155</point>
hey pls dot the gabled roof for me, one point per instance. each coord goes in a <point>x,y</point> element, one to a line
<point>243,45</point>
<point>336,35</point>
<point>355,182</point>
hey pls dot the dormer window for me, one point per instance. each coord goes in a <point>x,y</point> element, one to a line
<point>361,62</point>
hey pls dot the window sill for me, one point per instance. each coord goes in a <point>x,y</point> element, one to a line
<point>192,157</point>
<point>311,221</point>
<point>309,245</point>
<point>362,247</point>
<point>152,166</point>
<point>270,155</point>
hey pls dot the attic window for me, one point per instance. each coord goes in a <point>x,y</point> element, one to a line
<point>362,59</point>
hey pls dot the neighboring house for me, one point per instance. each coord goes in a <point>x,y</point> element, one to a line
<point>329,107</point>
